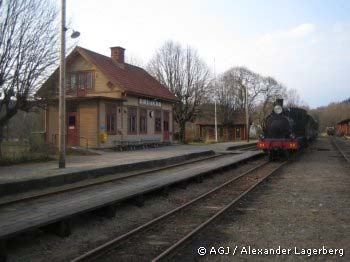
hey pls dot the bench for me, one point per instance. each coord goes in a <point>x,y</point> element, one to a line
<point>126,144</point>
<point>153,142</point>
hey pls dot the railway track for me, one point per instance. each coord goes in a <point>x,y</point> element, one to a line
<point>342,148</point>
<point>243,147</point>
<point>253,147</point>
<point>93,182</point>
<point>159,238</point>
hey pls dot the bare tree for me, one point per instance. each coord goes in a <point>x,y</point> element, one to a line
<point>231,89</point>
<point>270,92</point>
<point>241,80</point>
<point>226,96</point>
<point>134,60</point>
<point>186,75</point>
<point>28,51</point>
<point>331,114</point>
<point>293,99</point>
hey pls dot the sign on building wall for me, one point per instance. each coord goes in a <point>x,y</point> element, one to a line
<point>149,102</point>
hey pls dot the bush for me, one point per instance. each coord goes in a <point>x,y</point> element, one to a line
<point>5,161</point>
<point>44,149</point>
<point>16,152</point>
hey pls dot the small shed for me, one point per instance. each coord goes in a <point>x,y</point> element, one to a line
<point>203,128</point>
<point>344,127</point>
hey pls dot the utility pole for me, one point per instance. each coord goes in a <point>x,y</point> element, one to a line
<point>246,113</point>
<point>216,123</point>
<point>215,117</point>
<point>62,91</point>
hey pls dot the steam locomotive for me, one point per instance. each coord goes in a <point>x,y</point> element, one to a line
<point>287,130</point>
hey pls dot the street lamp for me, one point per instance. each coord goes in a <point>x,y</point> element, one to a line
<point>75,34</point>
<point>62,88</point>
<point>215,117</point>
<point>216,122</point>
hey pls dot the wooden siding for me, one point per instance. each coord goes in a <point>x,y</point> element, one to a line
<point>100,80</point>
<point>79,64</point>
<point>52,124</point>
<point>207,132</point>
<point>88,115</point>
<point>92,121</point>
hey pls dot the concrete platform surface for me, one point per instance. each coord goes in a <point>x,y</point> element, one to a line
<point>18,217</point>
<point>24,172</point>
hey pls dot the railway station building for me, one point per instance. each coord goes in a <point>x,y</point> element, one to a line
<point>108,100</point>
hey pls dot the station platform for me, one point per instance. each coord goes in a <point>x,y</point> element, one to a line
<point>34,213</point>
<point>24,177</point>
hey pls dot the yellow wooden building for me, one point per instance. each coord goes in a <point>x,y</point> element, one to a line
<point>106,96</point>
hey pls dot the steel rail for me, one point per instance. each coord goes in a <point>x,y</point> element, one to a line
<point>201,226</point>
<point>39,195</point>
<point>248,148</point>
<point>340,150</point>
<point>94,252</point>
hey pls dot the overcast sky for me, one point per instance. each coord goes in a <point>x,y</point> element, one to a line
<point>303,44</point>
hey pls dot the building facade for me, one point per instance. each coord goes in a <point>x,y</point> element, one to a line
<point>344,127</point>
<point>203,127</point>
<point>108,100</point>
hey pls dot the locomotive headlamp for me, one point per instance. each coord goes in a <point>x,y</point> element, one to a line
<point>277,109</point>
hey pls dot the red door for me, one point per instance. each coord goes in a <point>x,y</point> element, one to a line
<point>72,129</point>
<point>166,136</point>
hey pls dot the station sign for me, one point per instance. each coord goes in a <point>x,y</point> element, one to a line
<point>150,102</point>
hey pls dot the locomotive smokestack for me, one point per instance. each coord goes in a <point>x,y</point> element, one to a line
<point>279,102</point>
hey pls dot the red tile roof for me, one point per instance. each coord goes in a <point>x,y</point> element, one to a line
<point>134,80</point>
<point>344,121</point>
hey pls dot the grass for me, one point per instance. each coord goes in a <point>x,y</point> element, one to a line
<point>28,158</point>
<point>13,149</point>
<point>18,152</point>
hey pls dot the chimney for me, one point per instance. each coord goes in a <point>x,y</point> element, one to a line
<point>279,102</point>
<point>117,54</point>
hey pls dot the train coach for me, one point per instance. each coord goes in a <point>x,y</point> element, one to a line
<point>330,130</point>
<point>287,130</point>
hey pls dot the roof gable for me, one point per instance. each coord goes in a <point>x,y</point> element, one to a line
<point>133,80</point>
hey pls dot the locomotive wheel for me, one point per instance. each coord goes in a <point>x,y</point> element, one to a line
<point>271,156</point>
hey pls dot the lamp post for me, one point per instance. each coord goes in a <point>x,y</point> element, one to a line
<point>62,88</point>
<point>215,117</point>
<point>216,122</point>
<point>246,113</point>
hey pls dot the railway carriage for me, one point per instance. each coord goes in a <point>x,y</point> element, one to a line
<point>287,130</point>
<point>330,130</point>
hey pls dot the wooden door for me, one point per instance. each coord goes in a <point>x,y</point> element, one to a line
<point>211,133</point>
<point>72,129</point>
<point>166,136</point>
<point>231,135</point>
